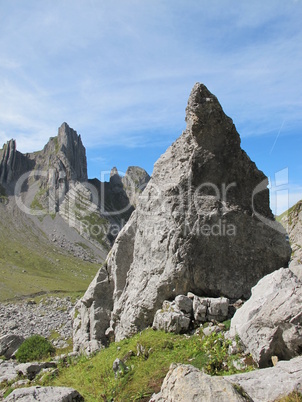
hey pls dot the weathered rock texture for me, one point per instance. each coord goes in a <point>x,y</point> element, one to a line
<point>44,394</point>
<point>13,163</point>
<point>270,384</point>
<point>189,311</point>
<point>64,154</point>
<point>292,222</point>
<point>194,229</point>
<point>135,181</point>
<point>270,322</point>
<point>9,344</point>
<point>187,383</point>
<point>7,371</point>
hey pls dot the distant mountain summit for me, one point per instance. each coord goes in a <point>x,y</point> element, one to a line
<point>64,156</point>
<point>52,189</point>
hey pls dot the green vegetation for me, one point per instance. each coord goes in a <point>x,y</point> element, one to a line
<point>294,209</point>
<point>293,397</point>
<point>34,348</point>
<point>36,203</point>
<point>57,146</point>
<point>148,356</point>
<point>30,265</point>
<point>95,226</point>
<point>3,197</point>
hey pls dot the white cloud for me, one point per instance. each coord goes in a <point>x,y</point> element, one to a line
<point>122,71</point>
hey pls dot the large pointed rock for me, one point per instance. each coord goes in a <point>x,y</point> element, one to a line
<point>203,224</point>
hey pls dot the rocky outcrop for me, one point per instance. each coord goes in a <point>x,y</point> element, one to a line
<point>44,394</point>
<point>30,370</point>
<point>188,312</point>
<point>270,322</point>
<point>64,156</point>
<point>292,222</point>
<point>63,163</point>
<point>187,383</point>
<point>270,384</point>
<point>13,163</point>
<point>135,181</point>
<point>203,224</point>
<point>9,344</point>
<point>7,371</point>
<point>169,319</point>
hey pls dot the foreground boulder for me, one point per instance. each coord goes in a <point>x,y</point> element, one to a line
<point>30,370</point>
<point>270,384</point>
<point>187,383</point>
<point>9,344</point>
<point>202,225</point>
<point>270,322</point>
<point>8,370</point>
<point>44,394</point>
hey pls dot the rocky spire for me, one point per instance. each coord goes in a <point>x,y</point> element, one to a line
<point>71,146</point>
<point>12,163</point>
<point>203,224</point>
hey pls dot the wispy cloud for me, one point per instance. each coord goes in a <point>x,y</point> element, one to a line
<point>121,72</point>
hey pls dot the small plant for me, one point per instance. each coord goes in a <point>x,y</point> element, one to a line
<point>293,397</point>
<point>35,347</point>
<point>215,346</point>
<point>227,324</point>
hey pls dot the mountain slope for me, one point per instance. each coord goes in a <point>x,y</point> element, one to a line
<point>30,263</point>
<point>56,226</point>
<point>292,222</point>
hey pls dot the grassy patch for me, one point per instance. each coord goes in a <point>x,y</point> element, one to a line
<point>95,226</point>
<point>30,266</point>
<point>35,348</point>
<point>295,209</point>
<point>148,356</point>
<point>293,397</point>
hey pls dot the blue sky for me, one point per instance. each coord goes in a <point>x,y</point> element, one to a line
<point>120,73</point>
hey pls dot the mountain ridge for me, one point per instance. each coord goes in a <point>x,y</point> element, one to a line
<point>50,192</point>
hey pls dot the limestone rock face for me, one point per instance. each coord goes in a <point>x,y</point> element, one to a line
<point>71,146</point>
<point>202,224</point>
<point>292,221</point>
<point>187,383</point>
<point>9,344</point>
<point>270,384</point>
<point>135,181</point>
<point>44,394</point>
<point>270,322</point>
<point>13,163</point>
<point>170,319</point>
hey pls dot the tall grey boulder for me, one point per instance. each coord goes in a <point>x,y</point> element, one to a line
<point>270,322</point>
<point>202,224</point>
